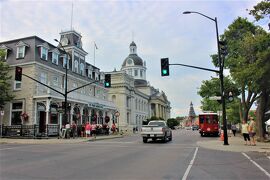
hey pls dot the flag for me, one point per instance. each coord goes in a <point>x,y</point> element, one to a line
<point>95,45</point>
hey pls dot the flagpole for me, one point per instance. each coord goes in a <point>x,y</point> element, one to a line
<point>94,52</point>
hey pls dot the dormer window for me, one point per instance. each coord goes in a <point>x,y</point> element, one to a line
<point>44,53</point>
<point>21,49</point>
<point>44,49</point>
<point>65,60</point>
<point>5,49</point>
<point>55,56</point>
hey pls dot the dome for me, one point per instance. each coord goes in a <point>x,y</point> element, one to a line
<point>133,59</point>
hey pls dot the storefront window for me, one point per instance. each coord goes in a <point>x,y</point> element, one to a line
<point>16,113</point>
<point>54,114</point>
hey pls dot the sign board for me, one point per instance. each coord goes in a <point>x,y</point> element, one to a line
<point>2,113</point>
<point>215,98</point>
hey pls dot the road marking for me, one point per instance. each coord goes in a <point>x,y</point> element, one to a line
<point>9,148</point>
<point>190,164</point>
<point>263,170</point>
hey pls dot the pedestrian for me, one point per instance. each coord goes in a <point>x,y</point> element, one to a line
<point>73,129</point>
<point>67,126</point>
<point>245,132</point>
<point>252,130</point>
<point>88,129</point>
<point>233,127</point>
<point>113,128</point>
<point>94,129</point>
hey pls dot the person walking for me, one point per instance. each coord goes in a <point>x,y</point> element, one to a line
<point>245,132</point>
<point>233,129</point>
<point>87,129</point>
<point>252,130</point>
<point>73,129</point>
<point>94,129</point>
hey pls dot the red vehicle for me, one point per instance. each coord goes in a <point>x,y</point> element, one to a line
<point>208,124</point>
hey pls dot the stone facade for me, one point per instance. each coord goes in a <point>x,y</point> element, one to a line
<point>37,104</point>
<point>134,98</point>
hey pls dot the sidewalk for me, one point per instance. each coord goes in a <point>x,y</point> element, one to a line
<point>236,144</point>
<point>55,140</point>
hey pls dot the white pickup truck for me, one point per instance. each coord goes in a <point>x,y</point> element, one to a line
<point>156,130</point>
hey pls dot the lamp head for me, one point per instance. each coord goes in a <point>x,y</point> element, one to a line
<point>187,12</point>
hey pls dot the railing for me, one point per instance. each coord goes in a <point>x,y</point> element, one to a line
<point>30,131</point>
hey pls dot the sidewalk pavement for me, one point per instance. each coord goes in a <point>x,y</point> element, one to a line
<point>55,140</point>
<point>236,144</point>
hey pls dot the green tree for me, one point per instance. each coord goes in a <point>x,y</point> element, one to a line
<point>212,88</point>
<point>5,93</point>
<point>261,10</point>
<point>172,122</point>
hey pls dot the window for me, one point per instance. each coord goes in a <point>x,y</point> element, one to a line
<point>55,58</point>
<point>44,53</point>
<point>55,81</point>
<point>54,114</point>
<point>20,52</point>
<point>43,77</point>
<point>130,72</point>
<point>81,69</point>
<point>65,62</point>
<point>76,66</point>
<point>141,73</point>
<point>16,112</point>
<point>17,85</point>
<point>135,72</point>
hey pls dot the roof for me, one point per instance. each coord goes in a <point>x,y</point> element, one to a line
<point>136,60</point>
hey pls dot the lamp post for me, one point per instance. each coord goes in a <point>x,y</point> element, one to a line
<point>221,66</point>
<point>65,95</point>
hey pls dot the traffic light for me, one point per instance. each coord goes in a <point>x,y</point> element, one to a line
<point>18,74</point>
<point>223,48</point>
<point>107,82</point>
<point>165,67</point>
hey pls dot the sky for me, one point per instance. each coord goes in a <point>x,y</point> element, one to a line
<point>159,29</point>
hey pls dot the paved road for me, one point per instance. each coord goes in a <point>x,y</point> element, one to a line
<point>128,158</point>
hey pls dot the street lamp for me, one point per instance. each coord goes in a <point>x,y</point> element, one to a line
<point>65,95</point>
<point>221,66</point>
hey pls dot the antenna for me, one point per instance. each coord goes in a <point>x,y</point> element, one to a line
<point>132,35</point>
<point>71,16</point>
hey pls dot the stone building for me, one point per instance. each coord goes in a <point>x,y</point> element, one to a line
<point>134,98</point>
<point>37,104</point>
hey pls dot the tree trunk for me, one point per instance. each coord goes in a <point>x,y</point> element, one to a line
<point>260,114</point>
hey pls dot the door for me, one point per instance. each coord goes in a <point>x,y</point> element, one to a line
<point>42,121</point>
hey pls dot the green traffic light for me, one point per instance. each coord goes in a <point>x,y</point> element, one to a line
<point>107,84</point>
<point>164,71</point>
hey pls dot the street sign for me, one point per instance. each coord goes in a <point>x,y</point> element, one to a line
<point>215,98</point>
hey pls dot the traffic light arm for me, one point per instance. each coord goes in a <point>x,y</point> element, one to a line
<point>196,67</point>
<point>44,84</point>
<point>81,87</point>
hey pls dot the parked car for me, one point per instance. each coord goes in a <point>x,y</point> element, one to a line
<point>156,130</point>
<point>195,127</point>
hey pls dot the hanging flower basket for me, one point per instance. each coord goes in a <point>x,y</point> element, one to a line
<point>24,116</point>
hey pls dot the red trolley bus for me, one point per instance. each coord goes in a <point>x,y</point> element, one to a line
<point>208,124</point>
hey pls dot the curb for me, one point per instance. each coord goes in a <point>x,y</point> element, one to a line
<point>52,141</point>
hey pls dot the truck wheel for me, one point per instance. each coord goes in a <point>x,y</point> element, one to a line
<point>164,139</point>
<point>170,138</point>
<point>145,140</point>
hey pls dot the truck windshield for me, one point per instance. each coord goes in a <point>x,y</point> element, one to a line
<point>157,123</point>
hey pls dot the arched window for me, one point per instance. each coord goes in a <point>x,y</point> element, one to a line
<point>76,66</point>
<point>81,68</point>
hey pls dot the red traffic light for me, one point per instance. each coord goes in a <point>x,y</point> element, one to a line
<point>18,73</point>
